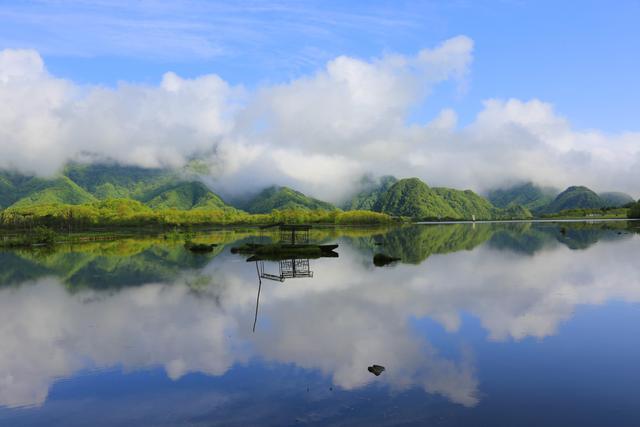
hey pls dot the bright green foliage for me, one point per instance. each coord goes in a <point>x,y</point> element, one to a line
<point>466,204</point>
<point>47,191</point>
<point>114,181</point>
<point>185,196</point>
<point>413,198</point>
<point>369,197</point>
<point>362,217</point>
<point>283,198</point>
<point>575,198</point>
<point>615,199</point>
<point>127,212</point>
<point>527,195</point>
<point>85,183</point>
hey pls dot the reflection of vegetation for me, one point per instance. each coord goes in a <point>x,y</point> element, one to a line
<point>531,238</point>
<point>103,265</point>
<point>39,236</point>
<point>140,260</point>
<point>413,244</point>
<point>520,238</point>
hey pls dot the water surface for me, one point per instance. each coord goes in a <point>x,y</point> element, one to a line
<point>485,324</point>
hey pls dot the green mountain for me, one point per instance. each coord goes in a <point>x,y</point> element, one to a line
<point>528,195</point>
<point>576,197</point>
<point>467,203</point>
<point>37,191</point>
<point>7,191</point>
<point>186,196</point>
<point>106,181</point>
<point>413,198</point>
<point>615,199</point>
<point>281,198</point>
<point>370,194</point>
<point>79,184</point>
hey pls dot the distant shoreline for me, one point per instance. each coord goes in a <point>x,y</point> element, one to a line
<point>498,221</point>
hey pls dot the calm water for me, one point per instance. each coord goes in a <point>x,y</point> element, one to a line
<point>480,325</point>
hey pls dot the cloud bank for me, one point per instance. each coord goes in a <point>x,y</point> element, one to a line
<point>319,133</point>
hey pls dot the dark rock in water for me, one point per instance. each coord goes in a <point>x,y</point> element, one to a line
<point>380,260</point>
<point>376,369</point>
<point>200,247</point>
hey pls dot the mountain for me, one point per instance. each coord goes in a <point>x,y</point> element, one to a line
<point>528,195</point>
<point>576,197</point>
<point>114,181</point>
<point>36,191</point>
<point>79,184</point>
<point>7,190</point>
<point>413,198</point>
<point>370,194</point>
<point>615,199</point>
<point>467,203</point>
<point>281,198</point>
<point>186,196</point>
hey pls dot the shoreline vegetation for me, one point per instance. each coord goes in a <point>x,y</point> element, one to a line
<point>47,225</point>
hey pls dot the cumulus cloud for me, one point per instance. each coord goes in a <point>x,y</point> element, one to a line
<point>319,133</point>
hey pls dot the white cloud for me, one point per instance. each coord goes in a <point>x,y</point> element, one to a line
<point>318,133</point>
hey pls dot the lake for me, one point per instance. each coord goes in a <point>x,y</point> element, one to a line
<point>511,324</point>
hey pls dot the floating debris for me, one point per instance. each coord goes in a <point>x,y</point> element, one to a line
<point>376,370</point>
<point>279,251</point>
<point>200,247</point>
<point>380,260</point>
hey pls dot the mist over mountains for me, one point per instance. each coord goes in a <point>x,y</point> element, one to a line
<point>318,133</point>
<point>184,190</point>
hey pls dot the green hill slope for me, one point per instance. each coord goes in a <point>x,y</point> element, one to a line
<point>616,199</point>
<point>185,196</point>
<point>467,204</point>
<point>7,192</point>
<point>413,198</point>
<point>576,197</point>
<point>528,195</point>
<point>371,193</point>
<point>81,184</point>
<point>282,198</point>
<point>107,181</point>
<point>38,191</point>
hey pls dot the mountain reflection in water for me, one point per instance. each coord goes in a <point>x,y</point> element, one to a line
<point>139,304</point>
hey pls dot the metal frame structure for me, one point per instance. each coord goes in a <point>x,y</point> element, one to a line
<point>293,268</point>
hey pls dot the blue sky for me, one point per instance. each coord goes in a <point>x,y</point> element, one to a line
<point>582,56</point>
<point>468,94</point>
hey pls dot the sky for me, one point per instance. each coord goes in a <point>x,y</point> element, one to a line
<point>471,94</point>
